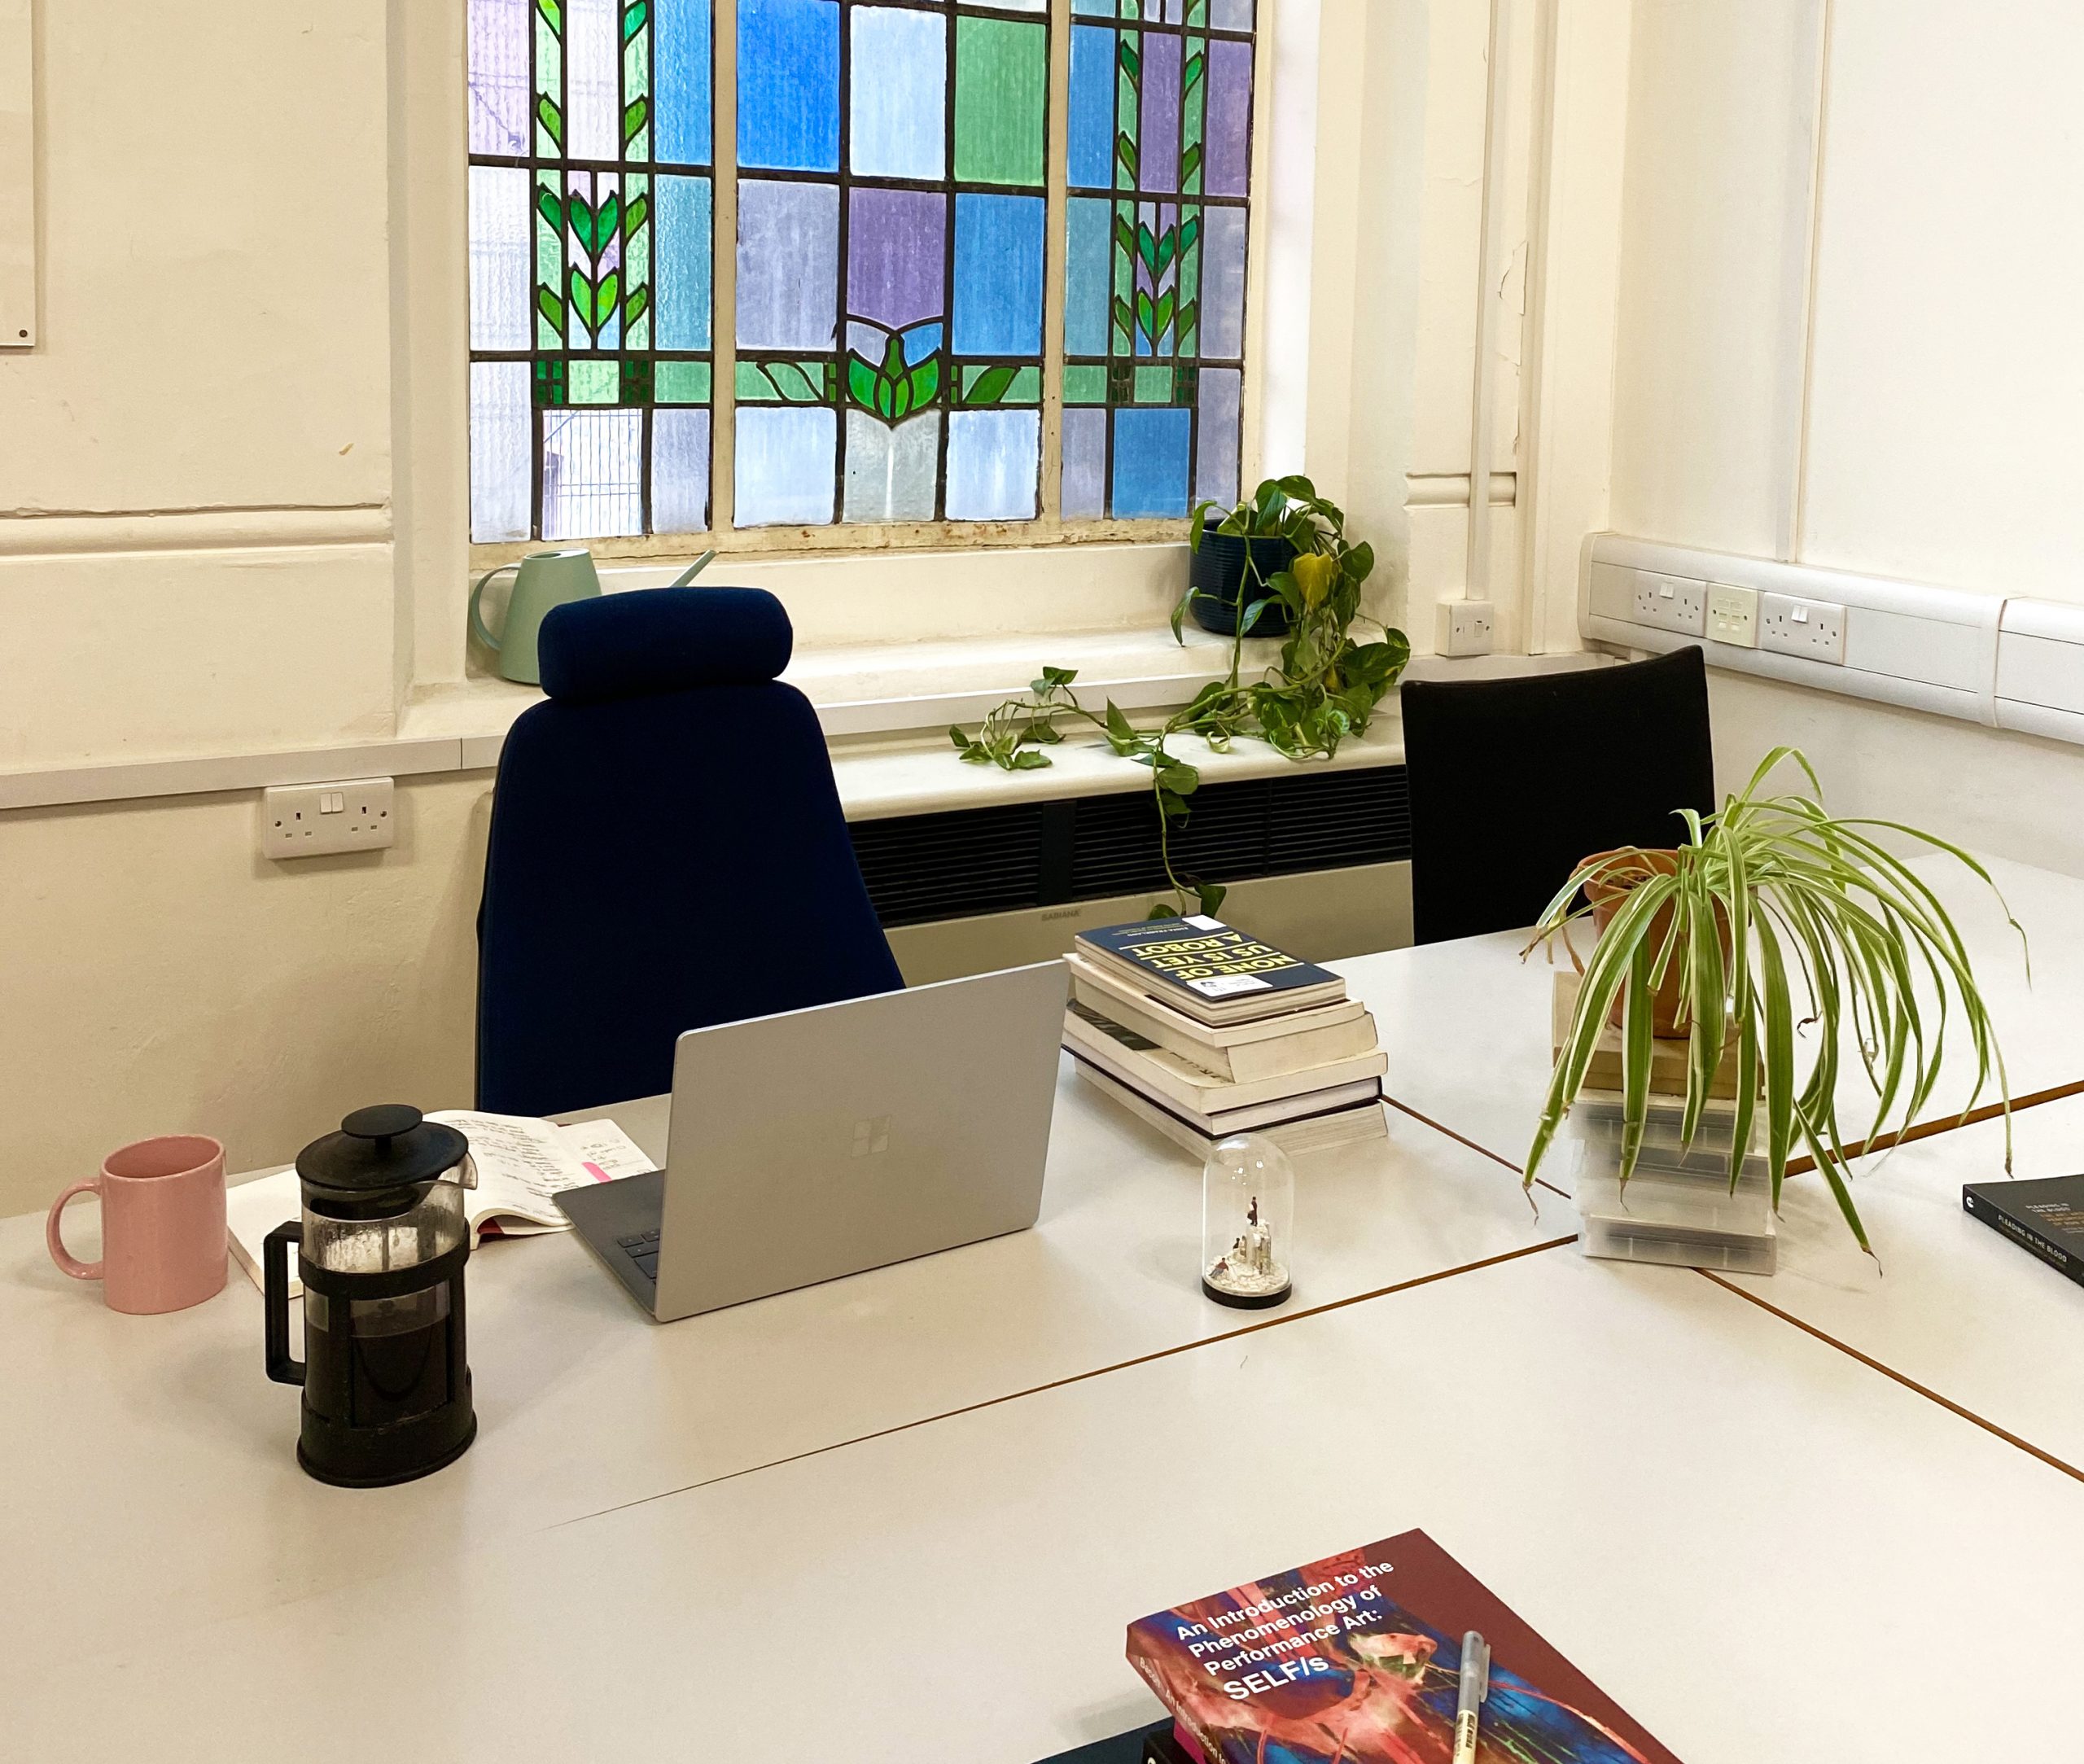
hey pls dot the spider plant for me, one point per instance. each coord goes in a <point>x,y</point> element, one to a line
<point>1776,917</point>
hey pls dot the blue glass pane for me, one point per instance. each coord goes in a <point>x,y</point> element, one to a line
<point>1092,108</point>
<point>1098,9</point>
<point>1086,285</point>
<point>1085,462</point>
<point>684,259</point>
<point>1225,14</point>
<point>897,83</point>
<point>998,275</point>
<point>788,265</point>
<point>789,84</point>
<point>680,471</point>
<point>681,59</point>
<point>784,470</point>
<point>1150,462</point>
<point>993,459</point>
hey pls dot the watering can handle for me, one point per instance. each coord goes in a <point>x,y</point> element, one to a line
<point>477,617</point>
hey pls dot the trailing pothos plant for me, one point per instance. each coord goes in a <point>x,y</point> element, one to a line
<point>1776,917</point>
<point>1324,686</point>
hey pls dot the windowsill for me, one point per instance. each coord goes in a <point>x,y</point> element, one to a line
<point>894,688</point>
<point>885,707</point>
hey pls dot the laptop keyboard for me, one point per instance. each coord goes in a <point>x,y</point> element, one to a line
<point>642,1248</point>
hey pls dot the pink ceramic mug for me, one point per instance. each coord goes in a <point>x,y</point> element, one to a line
<point>162,1224</point>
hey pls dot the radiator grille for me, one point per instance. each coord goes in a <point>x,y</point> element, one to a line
<point>921,868</point>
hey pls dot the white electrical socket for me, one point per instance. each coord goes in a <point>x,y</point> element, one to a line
<point>312,819</point>
<point>1813,629</point>
<point>1463,627</point>
<point>1733,615</point>
<point>1671,603</point>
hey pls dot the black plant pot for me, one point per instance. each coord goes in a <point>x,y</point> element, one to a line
<point>1221,587</point>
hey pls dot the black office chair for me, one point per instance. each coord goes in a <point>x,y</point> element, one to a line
<point>1513,781</point>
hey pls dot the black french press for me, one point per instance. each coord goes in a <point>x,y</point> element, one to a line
<point>380,1250</point>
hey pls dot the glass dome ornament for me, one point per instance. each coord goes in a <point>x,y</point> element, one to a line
<point>1248,1217</point>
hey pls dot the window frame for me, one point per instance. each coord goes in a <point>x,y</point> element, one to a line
<point>841,537</point>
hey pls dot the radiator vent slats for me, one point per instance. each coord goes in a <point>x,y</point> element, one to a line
<point>921,868</point>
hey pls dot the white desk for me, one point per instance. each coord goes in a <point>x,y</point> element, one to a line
<point>154,1487</point>
<point>1952,1305</point>
<point>1758,1546</point>
<point>1466,1023</point>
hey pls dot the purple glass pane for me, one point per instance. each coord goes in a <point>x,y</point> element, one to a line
<point>788,265</point>
<point>679,470</point>
<point>1223,283</point>
<point>499,77</point>
<point>896,255</point>
<point>1159,133</point>
<point>1228,130</point>
<point>1230,15</point>
<point>1216,435</point>
<point>1085,462</point>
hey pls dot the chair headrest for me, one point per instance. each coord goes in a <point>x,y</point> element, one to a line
<point>651,640</point>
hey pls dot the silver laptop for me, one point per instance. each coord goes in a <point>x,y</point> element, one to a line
<point>827,1141</point>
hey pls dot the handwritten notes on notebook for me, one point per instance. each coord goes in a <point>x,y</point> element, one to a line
<point>522,1164</point>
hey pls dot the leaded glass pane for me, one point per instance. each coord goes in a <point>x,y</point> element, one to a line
<point>785,465</point>
<point>590,273</point>
<point>1155,304</point>
<point>901,289</point>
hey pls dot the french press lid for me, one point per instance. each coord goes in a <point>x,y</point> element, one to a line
<point>381,1162</point>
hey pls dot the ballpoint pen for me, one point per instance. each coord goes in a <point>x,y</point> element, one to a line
<point>1475,1687</point>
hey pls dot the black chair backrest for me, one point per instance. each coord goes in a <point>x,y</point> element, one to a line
<point>1512,781</point>
<point>667,851</point>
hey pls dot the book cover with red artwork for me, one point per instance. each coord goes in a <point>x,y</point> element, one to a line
<point>1356,1660</point>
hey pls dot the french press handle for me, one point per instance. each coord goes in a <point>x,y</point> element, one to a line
<point>275,1300</point>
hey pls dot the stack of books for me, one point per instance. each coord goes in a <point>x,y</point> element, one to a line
<point>1677,1207</point>
<point>1203,1031</point>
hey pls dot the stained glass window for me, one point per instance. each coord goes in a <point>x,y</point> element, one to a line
<point>591,260</point>
<point>887,280</point>
<point>1159,171</point>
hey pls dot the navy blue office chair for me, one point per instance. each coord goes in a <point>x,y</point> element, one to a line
<point>666,852</point>
<point>1513,781</point>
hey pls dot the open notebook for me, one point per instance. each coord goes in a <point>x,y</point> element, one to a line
<point>522,1163</point>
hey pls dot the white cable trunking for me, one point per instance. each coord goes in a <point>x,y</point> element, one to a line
<point>2015,663</point>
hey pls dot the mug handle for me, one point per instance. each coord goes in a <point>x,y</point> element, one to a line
<point>477,618</point>
<point>68,1264</point>
<point>275,1300</point>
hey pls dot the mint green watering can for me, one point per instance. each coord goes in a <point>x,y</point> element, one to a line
<point>544,579</point>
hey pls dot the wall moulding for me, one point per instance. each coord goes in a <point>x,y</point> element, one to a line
<point>71,532</point>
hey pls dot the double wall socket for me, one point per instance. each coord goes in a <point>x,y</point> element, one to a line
<point>1464,627</point>
<point>1813,629</point>
<point>313,820</point>
<point>1671,603</point>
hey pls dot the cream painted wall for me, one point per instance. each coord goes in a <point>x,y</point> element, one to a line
<point>1922,415</point>
<point>162,977</point>
<point>228,485</point>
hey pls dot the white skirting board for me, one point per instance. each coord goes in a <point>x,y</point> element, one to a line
<point>2013,664</point>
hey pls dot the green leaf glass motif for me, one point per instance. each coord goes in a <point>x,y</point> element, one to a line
<point>634,18</point>
<point>552,119</point>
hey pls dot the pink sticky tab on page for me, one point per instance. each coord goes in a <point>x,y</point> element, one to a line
<point>599,1174</point>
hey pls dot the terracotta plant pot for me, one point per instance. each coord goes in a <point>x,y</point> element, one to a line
<point>1607,893</point>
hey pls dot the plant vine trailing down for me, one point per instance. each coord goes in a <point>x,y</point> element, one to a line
<point>1324,687</point>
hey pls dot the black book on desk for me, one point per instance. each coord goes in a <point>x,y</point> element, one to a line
<point>1154,1745</point>
<point>2043,1215</point>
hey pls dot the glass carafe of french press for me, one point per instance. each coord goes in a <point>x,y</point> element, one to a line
<point>381,1249</point>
